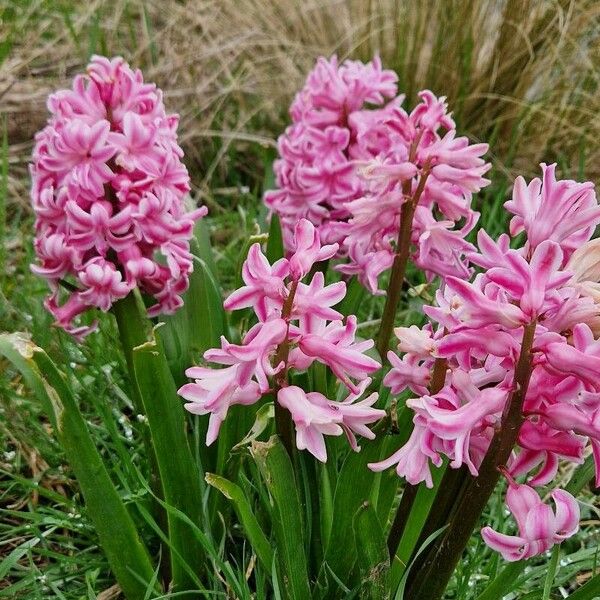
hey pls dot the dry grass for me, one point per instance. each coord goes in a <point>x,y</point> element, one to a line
<point>522,74</point>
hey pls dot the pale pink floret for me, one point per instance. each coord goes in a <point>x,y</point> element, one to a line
<point>539,526</point>
<point>108,190</point>
<point>264,289</point>
<point>336,347</point>
<point>308,250</point>
<point>315,416</point>
<point>563,211</point>
<point>214,391</point>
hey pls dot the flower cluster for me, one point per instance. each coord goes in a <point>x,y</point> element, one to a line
<point>315,172</point>
<point>479,332</point>
<point>420,171</point>
<point>108,194</point>
<point>297,325</point>
<point>349,168</point>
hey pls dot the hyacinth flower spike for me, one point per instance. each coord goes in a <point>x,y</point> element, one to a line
<point>296,327</point>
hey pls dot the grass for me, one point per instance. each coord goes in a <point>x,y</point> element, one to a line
<point>521,74</point>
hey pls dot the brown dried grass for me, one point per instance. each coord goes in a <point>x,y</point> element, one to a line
<point>522,74</point>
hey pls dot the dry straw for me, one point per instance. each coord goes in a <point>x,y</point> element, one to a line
<point>522,74</point>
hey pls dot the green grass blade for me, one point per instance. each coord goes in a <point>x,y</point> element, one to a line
<point>588,591</point>
<point>551,574</point>
<point>276,468</point>
<point>125,551</point>
<point>245,514</point>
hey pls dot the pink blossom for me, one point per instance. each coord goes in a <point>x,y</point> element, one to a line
<point>563,211</point>
<point>356,415</point>
<point>335,347</point>
<point>264,289</point>
<point>540,527</point>
<point>413,459</point>
<point>313,418</point>
<point>315,173</point>
<point>108,189</point>
<point>297,325</point>
<point>414,152</point>
<point>477,328</point>
<point>214,391</point>
<point>308,250</point>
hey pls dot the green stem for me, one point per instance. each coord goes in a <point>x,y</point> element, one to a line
<point>283,419</point>
<point>409,494</point>
<point>392,300</point>
<point>134,331</point>
<point>432,579</point>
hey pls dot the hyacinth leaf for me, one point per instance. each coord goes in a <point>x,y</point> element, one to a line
<point>276,469</point>
<point>264,417</point>
<point>504,582</point>
<point>200,322</point>
<point>430,539</point>
<point>373,556</point>
<point>355,293</point>
<point>355,485</point>
<point>179,474</point>
<point>582,476</point>
<point>245,514</point>
<point>201,247</point>
<point>275,249</point>
<point>415,522</point>
<point>122,545</point>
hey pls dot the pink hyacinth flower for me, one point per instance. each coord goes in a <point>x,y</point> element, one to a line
<point>313,417</point>
<point>214,391</point>
<point>539,526</point>
<point>335,346</point>
<point>108,192</point>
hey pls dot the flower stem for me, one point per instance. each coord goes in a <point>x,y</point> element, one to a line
<point>283,419</point>
<point>409,494</point>
<point>432,579</point>
<point>392,300</point>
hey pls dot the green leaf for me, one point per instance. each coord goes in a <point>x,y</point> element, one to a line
<point>199,324</point>
<point>582,476</point>
<point>418,516</point>
<point>245,514</point>
<point>275,249</point>
<point>373,555</point>
<point>264,416</point>
<point>122,545</point>
<point>276,468</point>
<point>355,293</point>
<point>354,487</point>
<point>179,474</point>
<point>430,539</point>
<point>504,582</point>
